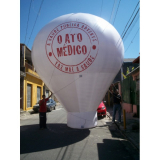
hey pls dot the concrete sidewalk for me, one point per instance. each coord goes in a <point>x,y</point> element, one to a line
<point>131,132</point>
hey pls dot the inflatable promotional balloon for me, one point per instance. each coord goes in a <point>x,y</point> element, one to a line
<point>78,56</point>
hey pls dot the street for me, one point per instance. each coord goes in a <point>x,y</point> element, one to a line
<point>59,142</point>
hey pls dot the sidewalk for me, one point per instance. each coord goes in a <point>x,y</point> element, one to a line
<point>132,127</point>
<point>25,114</point>
<point>29,112</point>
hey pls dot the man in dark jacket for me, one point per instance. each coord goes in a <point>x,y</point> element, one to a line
<point>116,105</point>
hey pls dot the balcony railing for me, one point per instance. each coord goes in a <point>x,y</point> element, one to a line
<point>28,66</point>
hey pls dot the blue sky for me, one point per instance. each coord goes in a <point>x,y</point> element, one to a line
<point>106,9</point>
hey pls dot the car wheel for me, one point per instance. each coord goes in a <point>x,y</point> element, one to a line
<point>50,109</point>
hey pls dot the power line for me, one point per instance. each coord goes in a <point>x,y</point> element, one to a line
<point>130,23</point>
<point>129,19</point>
<point>28,21</point>
<point>127,28</point>
<point>113,10</point>
<point>101,8</point>
<point>116,11</point>
<point>35,21</point>
<point>130,29</point>
<point>132,40</point>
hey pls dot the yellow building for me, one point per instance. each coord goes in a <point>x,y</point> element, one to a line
<point>33,89</point>
<point>31,85</point>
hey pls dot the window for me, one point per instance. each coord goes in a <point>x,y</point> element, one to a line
<point>29,95</point>
<point>47,93</point>
<point>38,94</point>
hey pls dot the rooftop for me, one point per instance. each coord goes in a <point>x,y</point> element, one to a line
<point>128,59</point>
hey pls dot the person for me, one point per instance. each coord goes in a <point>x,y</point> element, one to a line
<point>116,105</point>
<point>42,112</point>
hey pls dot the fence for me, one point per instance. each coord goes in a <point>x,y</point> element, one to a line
<point>29,66</point>
<point>130,92</point>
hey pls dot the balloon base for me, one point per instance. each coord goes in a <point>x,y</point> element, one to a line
<point>82,120</point>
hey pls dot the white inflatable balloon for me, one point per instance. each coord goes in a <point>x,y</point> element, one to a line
<point>78,56</point>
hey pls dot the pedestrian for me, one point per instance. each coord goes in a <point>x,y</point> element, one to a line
<point>116,105</point>
<point>42,112</point>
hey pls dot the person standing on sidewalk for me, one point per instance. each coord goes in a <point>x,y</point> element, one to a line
<point>116,105</point>
<point>42,112</point>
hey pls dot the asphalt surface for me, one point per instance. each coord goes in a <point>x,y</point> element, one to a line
<point>59,142</point>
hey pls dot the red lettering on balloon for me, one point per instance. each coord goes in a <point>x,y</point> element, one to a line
<point>67,38</point>
<point>59,52</point>
<point>82,43</point>
<point>74,51</point>
<point>72,37</point>
<point>64,50</point>
<point>77,69</point>
<point>66,69</point>
<point>69,50</point>
<point>79,37</point>
<point>84,49</point>
<point>59,39</point>
<point>78,49</point>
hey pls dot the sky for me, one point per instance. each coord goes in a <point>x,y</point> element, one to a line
<point>35,14</point>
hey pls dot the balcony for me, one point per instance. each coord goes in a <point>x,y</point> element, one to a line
<point>29,66</point>
<point>31,70</point>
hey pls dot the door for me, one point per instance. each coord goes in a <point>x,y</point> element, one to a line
<point>29,94</point>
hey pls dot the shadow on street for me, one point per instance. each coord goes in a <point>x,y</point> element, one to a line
<point>114,149</point>
<point>57,135</point>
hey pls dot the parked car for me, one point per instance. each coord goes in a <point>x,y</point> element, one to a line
<point>51,104</point>
<point>101,110</point>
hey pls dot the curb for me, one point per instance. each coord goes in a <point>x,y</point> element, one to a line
<point>129,139</point>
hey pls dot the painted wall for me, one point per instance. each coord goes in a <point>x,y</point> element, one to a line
<point>35,82</point>
<point>134,108</point>
<point>126,106</point>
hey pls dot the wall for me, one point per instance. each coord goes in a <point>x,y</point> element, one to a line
<point>127,107</point>
<point>134,108</point>
<point>35,82</point>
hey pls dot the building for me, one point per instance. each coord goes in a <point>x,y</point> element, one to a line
<point>31,86</point>
<point>129,88</point>
<point>135,75</point>
<point>127,63</point>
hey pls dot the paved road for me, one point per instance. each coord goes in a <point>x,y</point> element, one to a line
<point>60,142</point>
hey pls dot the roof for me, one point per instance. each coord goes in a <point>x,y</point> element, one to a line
<point>128,59</point>
<point>137,60</point>
<point>25,45</point>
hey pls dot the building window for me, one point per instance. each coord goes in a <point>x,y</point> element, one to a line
<point>38,94</point>
<point>29,95</point>
<point>47,93</point>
